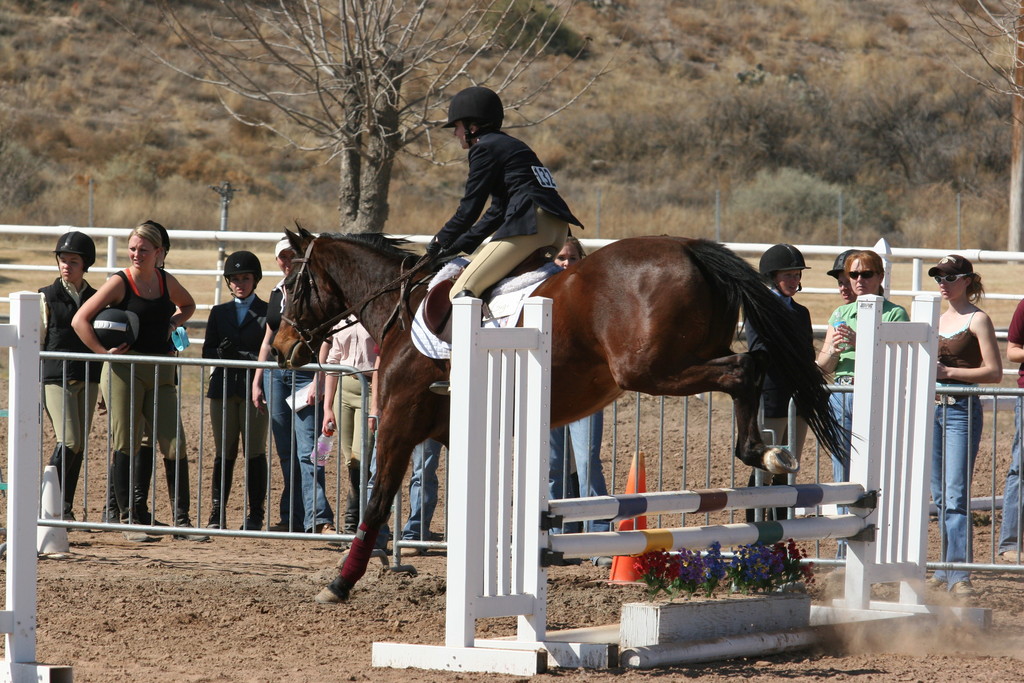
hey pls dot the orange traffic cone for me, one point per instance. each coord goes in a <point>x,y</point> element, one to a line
<point>622,565</point>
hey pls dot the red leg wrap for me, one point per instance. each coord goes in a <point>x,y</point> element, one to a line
<point>359,554</point>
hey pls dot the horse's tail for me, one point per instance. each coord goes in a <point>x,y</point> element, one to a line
<point>738,281</point>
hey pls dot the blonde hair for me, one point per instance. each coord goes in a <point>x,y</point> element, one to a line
<point>149,233</point>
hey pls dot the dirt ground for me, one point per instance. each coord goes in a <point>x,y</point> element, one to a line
<point>236,610</point>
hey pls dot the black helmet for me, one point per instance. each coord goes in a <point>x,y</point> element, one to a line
<point>840,264</point>
<point>478,104</point>
<point>781,257</point>
<point>77,243</point>
<point>114,327</point>
<point>243,262</point>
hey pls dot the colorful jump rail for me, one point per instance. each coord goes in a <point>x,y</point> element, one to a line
<point>498,469</point>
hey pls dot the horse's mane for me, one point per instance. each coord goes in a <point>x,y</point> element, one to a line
<point>392,246</point>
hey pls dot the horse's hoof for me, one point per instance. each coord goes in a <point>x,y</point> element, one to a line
<point>780,461</point>
<point>326,596</point>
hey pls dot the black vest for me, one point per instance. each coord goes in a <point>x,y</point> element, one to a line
<point>61,337</point>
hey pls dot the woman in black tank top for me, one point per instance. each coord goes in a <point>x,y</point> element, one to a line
<point>161,304</point>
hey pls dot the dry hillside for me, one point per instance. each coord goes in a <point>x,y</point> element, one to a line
<point>749,120</point>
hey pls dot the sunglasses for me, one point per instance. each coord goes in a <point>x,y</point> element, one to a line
<point>858,274</point>
<point>950,278</point>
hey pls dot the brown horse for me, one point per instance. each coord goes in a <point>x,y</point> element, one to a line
<point>655,315</point>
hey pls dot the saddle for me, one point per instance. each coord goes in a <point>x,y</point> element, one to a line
<point>437,306</point>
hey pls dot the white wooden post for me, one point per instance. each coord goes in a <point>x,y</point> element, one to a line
<point>895,377</point>
<point>21,335</point>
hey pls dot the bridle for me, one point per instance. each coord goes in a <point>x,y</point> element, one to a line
<point>304,277</point>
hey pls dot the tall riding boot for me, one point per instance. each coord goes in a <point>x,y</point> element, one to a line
<point>352,507</point>
<point>68,464</point>
<point>73,467</point>
<point>256,488</point>
<point>112,514</point>
<point>225,468</point>
<point>180,492</point>
<point>140,491</point>
<point>121,482</point>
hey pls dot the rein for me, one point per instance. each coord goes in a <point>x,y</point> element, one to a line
<point>403,282</point>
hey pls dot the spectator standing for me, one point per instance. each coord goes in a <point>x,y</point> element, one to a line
<point>782,267</point>
<point>162,305</point>
<point>1009,548</point>
<point>968,355</point>
<point>69,387</point>
<point>303,505</point>
<point>865,271</point>
<point>584,437</point>
<point>235,331</point>
<point>353,347</point>
<point>842,279</point>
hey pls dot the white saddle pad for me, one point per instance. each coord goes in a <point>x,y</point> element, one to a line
<point>506,304</point>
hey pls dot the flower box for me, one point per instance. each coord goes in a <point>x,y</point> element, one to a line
<point>658,623</point>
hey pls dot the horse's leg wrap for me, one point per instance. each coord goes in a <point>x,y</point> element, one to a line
<point>359,555</point>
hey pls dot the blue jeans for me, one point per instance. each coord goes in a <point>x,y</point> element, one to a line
<point>841,405</point>
<point>585,437</point>
<point>422,491</point>
<point>1009,528</point>
<point>955,447</point>
<point>303,496</point>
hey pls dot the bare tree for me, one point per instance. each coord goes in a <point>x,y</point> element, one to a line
<point>361,81</point>
<point>994,30</point>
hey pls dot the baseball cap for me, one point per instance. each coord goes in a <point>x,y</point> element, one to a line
<point>954,264</point>
<point>282,245</point>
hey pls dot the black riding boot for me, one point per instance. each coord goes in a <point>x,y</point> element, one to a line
<point>225,468</point>
<point>256,487</point>
<point>121,482</point>
<point>112,514</point>
<point>140,491</point>
<point>352,508</point>
<point>180,492</point>
<point>69,466</point>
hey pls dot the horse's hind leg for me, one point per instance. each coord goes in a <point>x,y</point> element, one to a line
<point>739,375</point>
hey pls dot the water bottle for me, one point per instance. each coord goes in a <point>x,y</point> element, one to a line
<point>324,446</point>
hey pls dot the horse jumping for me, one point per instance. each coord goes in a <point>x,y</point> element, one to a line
<point>655,315</point>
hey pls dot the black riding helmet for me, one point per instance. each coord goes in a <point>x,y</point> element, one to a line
<point>77,243</point>
<point>477,104</point>
<point>243,262</point>
<point>781,257</point>
<point>840,265</point>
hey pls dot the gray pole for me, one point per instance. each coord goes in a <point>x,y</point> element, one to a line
<point>840,218</point>
<point>598,218</point>
<point>226,192</point>
<point>959,221</point>
<point>718,215</point>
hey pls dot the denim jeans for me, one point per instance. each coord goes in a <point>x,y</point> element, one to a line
<point>955,447</point>
<point>585,437</point>
<point>422,491</point>
<point>303,496</point>
<point>1009,528</point>
<point>841,405</point>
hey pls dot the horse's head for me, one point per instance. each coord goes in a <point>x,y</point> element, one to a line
<point>362,275</point>
<point>307,317</point>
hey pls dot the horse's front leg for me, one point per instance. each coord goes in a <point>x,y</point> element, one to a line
<point>393,456</point>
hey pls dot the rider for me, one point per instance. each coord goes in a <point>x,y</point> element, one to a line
<point>526,212</point>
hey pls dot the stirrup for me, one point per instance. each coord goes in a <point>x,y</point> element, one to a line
<point>442,387</point>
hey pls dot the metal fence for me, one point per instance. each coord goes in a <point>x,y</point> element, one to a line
<point>686,443</point>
